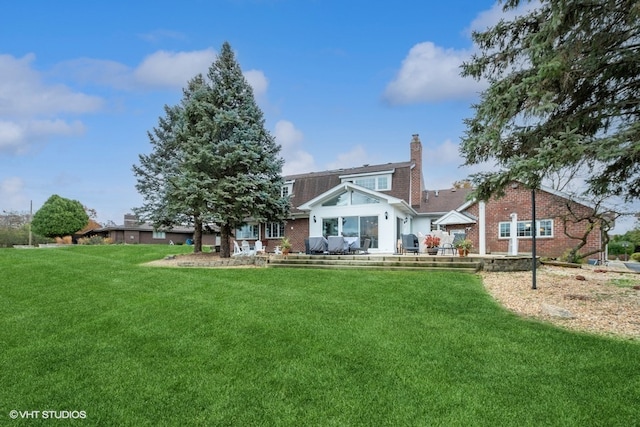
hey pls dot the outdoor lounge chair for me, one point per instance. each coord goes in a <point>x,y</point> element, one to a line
<point>336,245</point>
<point>236,249</point>
<point>246,249</point>
<point>318,245</point>
<point>446,244</point>
<point>410,243</point>
<point>365,246</point>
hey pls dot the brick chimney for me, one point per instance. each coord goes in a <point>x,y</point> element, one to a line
<point>417,183</point>
<point>130,220</point>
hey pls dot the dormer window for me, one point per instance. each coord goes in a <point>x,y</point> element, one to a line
<point>286,189</point>
<point>375,182</point>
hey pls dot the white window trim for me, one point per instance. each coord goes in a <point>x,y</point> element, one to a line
<point>252,237</point>
<point>159,234</point>
<point>383,174</point>
<point>289,187</point>
<point>538,236</point>
<point>280,226</point>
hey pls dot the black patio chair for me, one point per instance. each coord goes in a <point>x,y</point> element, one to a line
<point>410,243</point>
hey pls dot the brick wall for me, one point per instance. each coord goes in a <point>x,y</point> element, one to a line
<point>416,172</point>
<point>297,230</point>
<point>548,206</point>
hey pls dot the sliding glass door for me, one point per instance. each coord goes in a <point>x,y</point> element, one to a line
<point>363,227</point>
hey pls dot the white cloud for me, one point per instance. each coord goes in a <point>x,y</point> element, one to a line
<point>446,153</point>
<point>12,196</point>
<point>258,82</point>
<point>430,73</point>
<point>173,69</point>
<point>24,94</point>
<point>356,157</point>
<point>287,135</point>
<point>18,137</point>
<point>32,110</point>
<point>296,160</point>
<point>491,17</point>
<point>161,69</point>
<point>97,71</point>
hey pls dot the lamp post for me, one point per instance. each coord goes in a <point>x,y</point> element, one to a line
<point>533,239</point>
<point>625,245</point>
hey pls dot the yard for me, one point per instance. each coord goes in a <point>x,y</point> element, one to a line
<point>86,332</point>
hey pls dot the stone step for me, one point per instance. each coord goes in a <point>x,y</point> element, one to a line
<point>379,262</point>
<point>474,269</point>
<point>399,258</point>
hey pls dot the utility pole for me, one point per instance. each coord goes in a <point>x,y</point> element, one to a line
<point>30,216</point>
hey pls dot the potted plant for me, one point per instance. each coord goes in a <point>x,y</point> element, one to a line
<point>285,244</point>
<point>432,243</point>
<point>464,246</point>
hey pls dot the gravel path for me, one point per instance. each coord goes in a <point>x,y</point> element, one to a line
<point>601,300</point>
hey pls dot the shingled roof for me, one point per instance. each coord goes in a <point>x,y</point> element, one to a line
<point>310,185</point>
<point>443,201</point>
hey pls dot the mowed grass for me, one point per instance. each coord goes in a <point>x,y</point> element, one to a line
<point>89,329</point>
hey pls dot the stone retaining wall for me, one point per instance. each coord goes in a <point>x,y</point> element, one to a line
<point>508,263</point>
<point>238,261</point>
<point>497,264</point>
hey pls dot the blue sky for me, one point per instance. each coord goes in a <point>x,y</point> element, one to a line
<point>341,83</point>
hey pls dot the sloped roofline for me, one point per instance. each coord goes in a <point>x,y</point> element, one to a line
<point>454,217</point>
<point>353,171</point>
<point>544,188</point>
<point>345,186</point>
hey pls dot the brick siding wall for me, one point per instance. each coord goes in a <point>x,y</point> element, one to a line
<point>548,206</point>
<point>297,230</point>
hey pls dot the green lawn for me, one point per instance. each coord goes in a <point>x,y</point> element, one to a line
<point>88,329</point>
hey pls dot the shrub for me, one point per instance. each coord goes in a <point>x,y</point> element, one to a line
<point>570,255</point>
<point>95,240</point>
<point>635,256</point>
<point>620,247</point>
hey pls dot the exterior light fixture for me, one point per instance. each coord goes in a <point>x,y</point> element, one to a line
<point>314,218</point>
<point>386,215</point>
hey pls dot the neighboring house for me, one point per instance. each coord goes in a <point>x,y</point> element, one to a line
<point>132,231</point>
<point>381,202</point>
<point>86,230</point>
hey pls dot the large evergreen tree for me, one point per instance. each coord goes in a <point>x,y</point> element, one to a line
<point>564,91</point>
<point>242,161</point>
<point>213,160</point>
<point>59,217</point>
<point>162,176</point>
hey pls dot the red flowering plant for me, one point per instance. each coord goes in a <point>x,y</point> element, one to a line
<point>431,241</point>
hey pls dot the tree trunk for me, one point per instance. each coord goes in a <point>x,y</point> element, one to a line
<point>225,234</point>
<point>197,236</point>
